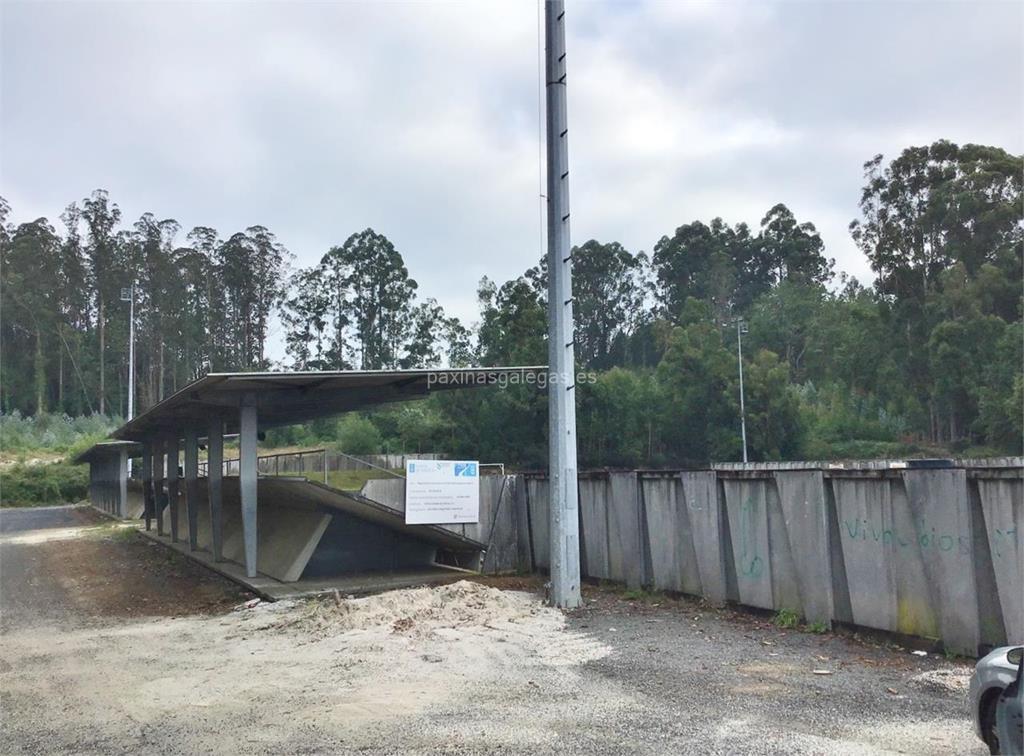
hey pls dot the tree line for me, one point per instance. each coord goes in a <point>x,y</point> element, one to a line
<point>930,355</point>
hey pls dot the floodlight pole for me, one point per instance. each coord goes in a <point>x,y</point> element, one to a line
<point>131,355</point>
<point>129,294</point>
<point>739,359</point>
<point>564,515</point>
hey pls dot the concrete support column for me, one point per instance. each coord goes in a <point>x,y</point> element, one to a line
<point>247,479</point>
<point>159,474</point>
<point>121,487</point>
<point>147,483</point>
<point>214,469</point>
<point>172,484</point>
<point>192,486</point>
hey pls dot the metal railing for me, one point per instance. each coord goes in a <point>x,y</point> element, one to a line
<point>270,464</point>
<point>297,463</point>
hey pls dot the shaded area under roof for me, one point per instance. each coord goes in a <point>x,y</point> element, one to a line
<point>285,398</point>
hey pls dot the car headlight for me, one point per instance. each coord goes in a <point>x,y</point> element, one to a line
<point>1014,655</point>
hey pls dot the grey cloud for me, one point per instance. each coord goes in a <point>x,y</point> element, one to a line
<point>420,120</point>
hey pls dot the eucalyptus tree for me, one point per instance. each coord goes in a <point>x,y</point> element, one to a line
<point>937,218</point>
<point>205,241</point>
<point>72,288</point>
<point>101,217</point>
<point>711,263</point>
<point>31,310</point>
<point>381,296</point>
<point>305,314</point>
<point>609,292</point>
<point>252,266</point>
<point>790,251</point>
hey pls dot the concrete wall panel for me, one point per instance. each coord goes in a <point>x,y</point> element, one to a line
<point>593,493</point>
<point>625,544</point>
<point>524,549</point>
<point>671,540</point>
<point>1002,504</point>
<point>805,515</point>
<point>786,583</point>
<point>939,505</point>
<point>497,527</point>
<point>746,504</point>
<point>863,506</point>
<point>704,511</point>
<point>540,525</point>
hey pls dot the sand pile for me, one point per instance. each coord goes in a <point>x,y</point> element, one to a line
<point>404,629</point>
<point>942,680</point>
<point>416,611</point>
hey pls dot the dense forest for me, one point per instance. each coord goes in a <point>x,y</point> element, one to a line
<point>929,358</point>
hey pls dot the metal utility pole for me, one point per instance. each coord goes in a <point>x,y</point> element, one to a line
<point>565,537</point>
<point>741,328</point>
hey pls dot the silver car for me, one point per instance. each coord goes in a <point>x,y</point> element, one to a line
<point>995,696</point>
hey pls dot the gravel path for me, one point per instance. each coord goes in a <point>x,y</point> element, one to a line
<point>113,645</point>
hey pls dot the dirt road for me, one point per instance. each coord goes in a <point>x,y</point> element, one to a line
<point>112,645</point>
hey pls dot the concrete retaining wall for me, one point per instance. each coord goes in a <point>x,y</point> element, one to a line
<point>933,552</point>
<point>108,483</point>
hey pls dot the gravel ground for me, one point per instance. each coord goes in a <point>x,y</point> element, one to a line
<point>113,645</point>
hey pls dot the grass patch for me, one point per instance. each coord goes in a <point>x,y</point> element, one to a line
<point>817,627</point>
<point>43,484</point>
<point>641,594</point>
<point>345,480</point>
<point>119,532</point>
<point>786,618</point>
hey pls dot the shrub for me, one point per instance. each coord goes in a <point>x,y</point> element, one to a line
<point>52,432</point>
<point>34,485</point>
<point>357,435</point>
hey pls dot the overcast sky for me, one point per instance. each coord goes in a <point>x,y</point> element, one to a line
<point>421,119</point>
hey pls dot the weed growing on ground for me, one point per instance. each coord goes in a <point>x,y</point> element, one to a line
<point>817,627</point>
<point>786,618</point>
<point>641,594</point>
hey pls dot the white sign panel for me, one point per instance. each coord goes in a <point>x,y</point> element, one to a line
<point>441,491</point>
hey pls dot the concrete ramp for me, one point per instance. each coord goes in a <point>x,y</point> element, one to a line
<point>136,504</point>
<point>302,526</point>
<point>299,491</point>
<point>287,535</point>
